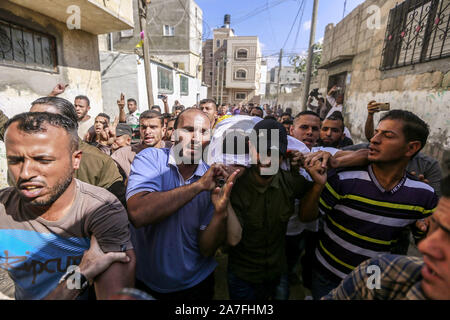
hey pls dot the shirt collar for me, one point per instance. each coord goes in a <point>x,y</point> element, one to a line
<point>199,171</point>
<point>394,189</point>
<point>275,183</point>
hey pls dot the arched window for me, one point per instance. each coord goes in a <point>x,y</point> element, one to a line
<point>242,54</point>
<point>241,74</point>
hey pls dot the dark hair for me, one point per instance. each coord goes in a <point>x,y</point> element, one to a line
<point>445,187</point>
<point>83,98</point>
<point>306,113</point>
<point>64,107</point>
<point>104,115</point>
<point>270,117</point>
<point>236,136</point>
<point>290,122</point>
<point>177,119</point>
<point>179,108</point>
<point>205,101</point>
<point>337,116</point>
<point>286,114</point>
<point>414,128</point>
<point>166,115</point>
<point>132,100</point>
<point>156,107</point>
<point>151,114</point>
<point>289,111</point>
<point>33,122</point>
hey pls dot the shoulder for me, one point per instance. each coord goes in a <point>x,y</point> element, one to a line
<point>121,152</point>
<point>6,194</point>
<point>94,196</point>
<point>414,183</point>
<point>154,153</point>
<point>350,173</point>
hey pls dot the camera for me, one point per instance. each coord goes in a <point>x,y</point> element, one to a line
<point>315,93</point>
<point>161,96</point>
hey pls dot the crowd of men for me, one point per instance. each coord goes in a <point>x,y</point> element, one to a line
<point>133,208</point>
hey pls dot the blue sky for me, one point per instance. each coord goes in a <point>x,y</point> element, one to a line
<point>272,26</point>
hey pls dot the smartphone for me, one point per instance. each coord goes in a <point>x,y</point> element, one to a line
<point>161,96</point>
<point>384,106</point>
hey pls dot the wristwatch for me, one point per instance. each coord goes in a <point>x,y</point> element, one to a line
<point>73,272</point>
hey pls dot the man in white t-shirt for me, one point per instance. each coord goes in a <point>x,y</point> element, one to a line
<point>85,121</point>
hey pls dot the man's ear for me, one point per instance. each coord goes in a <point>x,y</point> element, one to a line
<point>412,148</point>
<point>76,159</point>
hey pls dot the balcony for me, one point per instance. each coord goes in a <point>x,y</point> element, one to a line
<point>97,16</point>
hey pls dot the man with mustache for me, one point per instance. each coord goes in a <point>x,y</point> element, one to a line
<point>178,213</point>
<point>48,217</point>
<point>152,131</point>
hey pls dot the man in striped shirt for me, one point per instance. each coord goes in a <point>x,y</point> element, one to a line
<point>366,208</point>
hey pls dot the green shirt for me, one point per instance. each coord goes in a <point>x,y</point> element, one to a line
<point>263,212</point>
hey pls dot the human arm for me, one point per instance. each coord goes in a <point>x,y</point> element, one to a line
<point>121,105</point>
<point>234,227</point>
<point>331,100</point>
<point>216,232</point>
<point>58,89</point>
<point>166,104</point>
<point>149,207</point>
<point>309,204</point>
<point>369,129</point>
<point>339,159</point>
<point>93,263</point>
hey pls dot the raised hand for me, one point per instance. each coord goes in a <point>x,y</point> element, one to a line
<point>121,102</point>
<point>208,180</point>
<point>220,197</point>
<point>58,89</point>
<point>373,107</point>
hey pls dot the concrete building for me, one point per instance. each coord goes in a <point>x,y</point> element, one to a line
<point>125,73</point>
<point>175,29</point>
<point>46,42</point>
<point>232,66</point>
<point>289,80</point>
<point>373,56</point>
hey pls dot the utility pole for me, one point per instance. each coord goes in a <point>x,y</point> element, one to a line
<point>217,82</point>
<point>223,78</point>
<point>280,62</point>
<point>312,37</point>
<point>143,6</point>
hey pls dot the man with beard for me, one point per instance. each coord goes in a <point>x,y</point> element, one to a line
<point>151,131</point>
<point>332,132</point>
<point>179,214</point>
<point>263,200</point>
<point>365,209</point>
<point>48,217</point>
<point>85,121</point>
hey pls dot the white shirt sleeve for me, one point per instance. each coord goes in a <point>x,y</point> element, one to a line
<point>331,100</point>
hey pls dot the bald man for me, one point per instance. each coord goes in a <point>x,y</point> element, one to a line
<point>179,214</point>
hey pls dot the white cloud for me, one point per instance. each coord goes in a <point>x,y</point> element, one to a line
<point>307,25</point>
<point>320,40</point>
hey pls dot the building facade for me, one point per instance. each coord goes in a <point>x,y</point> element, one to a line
<point>41,44</point>
<point>397,53</point>
<point>289,80</point>
<point>232,66</point>
<point>175,29</point>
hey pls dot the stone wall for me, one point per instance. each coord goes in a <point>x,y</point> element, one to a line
<point>420,88</point>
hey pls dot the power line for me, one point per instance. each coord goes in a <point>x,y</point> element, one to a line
<point>292,27</point>
<point>257,11</point>
<point>299,24</point>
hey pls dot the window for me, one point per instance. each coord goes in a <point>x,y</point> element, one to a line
<point>225,41</point>
<point>184,85</point>
<point>241,74</point>
<point>165,80</point>
<point>241,96</point>
<point>242,54</point>
<point>417,31</point>
<point>210,73</point>
<point>126,33</point>
<point>168,31</point>
<point>218,44</point>
<point>26,48</point>
<point>211,54</point>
